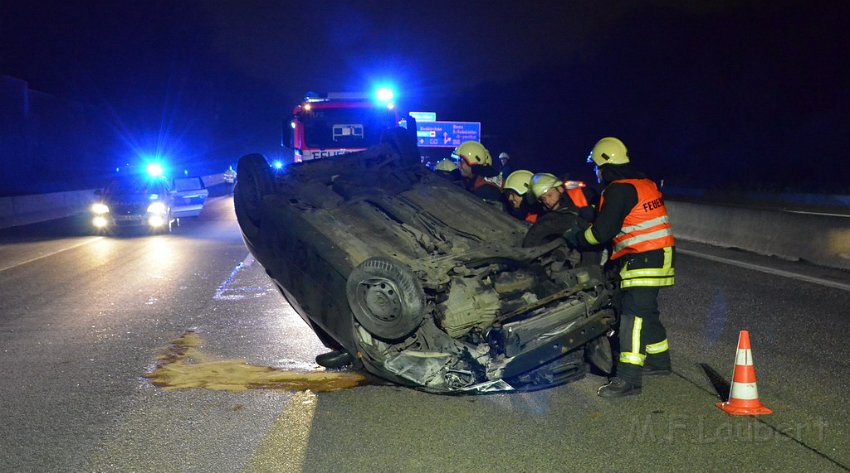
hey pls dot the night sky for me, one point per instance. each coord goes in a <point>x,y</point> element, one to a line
<point>710,94</point>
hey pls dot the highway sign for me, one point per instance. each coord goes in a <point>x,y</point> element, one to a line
<point>446,134</point>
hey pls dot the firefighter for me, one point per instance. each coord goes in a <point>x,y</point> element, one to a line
<point>445,165</point>
<point>505,169</point>
<point>554,193</point>
<point>561,214</point>
<point>475,166</point>
<point>516,193</point>
<point>632,216</point>
<point>448,169</point>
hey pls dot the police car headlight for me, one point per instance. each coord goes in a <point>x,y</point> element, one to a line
<point>156,221</point>
<point>157,208</point>
<point>99,221</point>
<point>99,208</point>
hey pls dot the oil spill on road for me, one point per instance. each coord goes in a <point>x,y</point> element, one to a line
<point>182,365</point>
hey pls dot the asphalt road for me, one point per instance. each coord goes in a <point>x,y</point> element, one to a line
<point>83,318</point>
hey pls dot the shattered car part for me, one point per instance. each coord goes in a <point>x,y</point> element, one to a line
<point>425,284</point>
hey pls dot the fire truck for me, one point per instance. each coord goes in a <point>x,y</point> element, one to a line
<point>327,125</point>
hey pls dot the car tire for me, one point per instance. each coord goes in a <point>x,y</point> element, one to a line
<point>256,180</point>
<point>386,298</point>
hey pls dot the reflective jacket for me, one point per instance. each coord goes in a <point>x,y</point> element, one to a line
<point>644,244</point>
<point>486,190</point>
<point>647,226</point>
<point>577,196</point>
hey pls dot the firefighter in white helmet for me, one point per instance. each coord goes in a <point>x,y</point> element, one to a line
<point>505,169</point>
<point>475,165</point>
<point>516,192</point>
<point>633,219</point>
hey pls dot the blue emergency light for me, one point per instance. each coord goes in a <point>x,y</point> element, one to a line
<point>384,94</point>
<point>277,164</point>
<point>154,169</point>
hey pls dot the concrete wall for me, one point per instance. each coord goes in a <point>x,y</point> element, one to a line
<point>819,238</point>
<point>27,209</point>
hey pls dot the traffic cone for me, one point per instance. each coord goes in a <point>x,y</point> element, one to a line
<point>743,394</point>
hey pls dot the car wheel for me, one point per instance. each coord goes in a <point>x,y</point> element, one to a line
<point>386,299</point>
<point>256,180</point>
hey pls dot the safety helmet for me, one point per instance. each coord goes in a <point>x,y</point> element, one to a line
<point>518,181</point>
<point>504,155</point>
<point>474,153</point>
<point>445,165</point>
<point>608,150</point>
<point>542,182</point>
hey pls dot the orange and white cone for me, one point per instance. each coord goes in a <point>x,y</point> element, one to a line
<point>743,394</point>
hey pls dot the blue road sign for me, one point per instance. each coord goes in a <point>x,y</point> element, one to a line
<point>446,134</point>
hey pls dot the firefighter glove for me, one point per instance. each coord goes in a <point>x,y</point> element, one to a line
<point>572,235</point>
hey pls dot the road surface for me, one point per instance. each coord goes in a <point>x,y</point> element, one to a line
<point>84,319</point>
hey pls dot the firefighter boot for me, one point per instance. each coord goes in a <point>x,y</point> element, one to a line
<point>657,365</point>
<point>618,387</point>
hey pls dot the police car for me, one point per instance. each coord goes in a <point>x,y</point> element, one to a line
<point>133,202</point>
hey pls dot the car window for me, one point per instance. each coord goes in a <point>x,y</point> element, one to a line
<point>188,184</point>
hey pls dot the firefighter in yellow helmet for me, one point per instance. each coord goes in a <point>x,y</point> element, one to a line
<point>561,215</point>
<point>553,193</point>
<point>515,190</point>
<point>445,165</point>
<point>633,219</point>
<point>448,169</point>
<point>475,165</point>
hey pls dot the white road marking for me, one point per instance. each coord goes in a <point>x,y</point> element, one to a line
<point>765,269</point>
<point>823,214</point>
<point>50,254</point>
<point>226,293</point>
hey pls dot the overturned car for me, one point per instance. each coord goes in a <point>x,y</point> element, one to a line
<point>425,284</point>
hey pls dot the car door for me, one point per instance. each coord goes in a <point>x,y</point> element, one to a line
<point>188,196</point>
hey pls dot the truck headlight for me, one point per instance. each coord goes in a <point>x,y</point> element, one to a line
<point>99,208</point>
<point>157,208</point>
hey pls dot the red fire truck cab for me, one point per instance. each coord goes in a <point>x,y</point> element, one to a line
<point>326,125</point>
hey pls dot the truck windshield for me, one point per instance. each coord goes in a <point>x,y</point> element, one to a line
<point>346,127</point>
